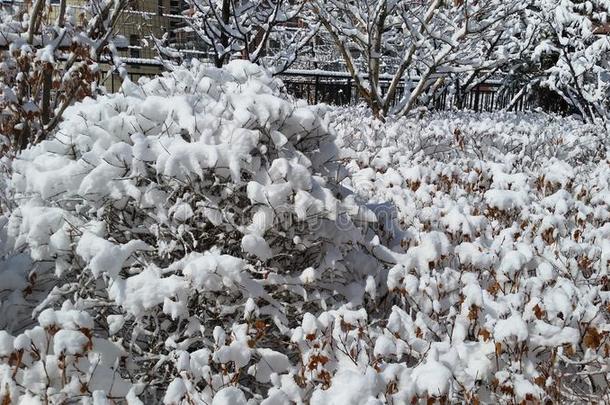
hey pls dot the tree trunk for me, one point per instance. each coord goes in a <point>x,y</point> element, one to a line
<point>224,39</point>
<point>24,137</point>
<point>47,83</point>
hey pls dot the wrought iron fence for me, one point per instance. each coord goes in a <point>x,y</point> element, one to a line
<point>338,88</point>
<point>493,95</point>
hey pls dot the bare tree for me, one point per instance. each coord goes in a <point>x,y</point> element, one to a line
<point>268,32</point>
<point>399,51</point>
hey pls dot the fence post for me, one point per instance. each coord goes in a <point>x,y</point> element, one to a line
<point>308,91</point>
<point>477,98</point>
<point>349,90</point>
<point>316,91</point>
<point>458,94</point>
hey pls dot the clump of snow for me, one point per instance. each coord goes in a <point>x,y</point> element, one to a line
<point>512,327</point>
<point>229,396</point>
<point>69,342</point>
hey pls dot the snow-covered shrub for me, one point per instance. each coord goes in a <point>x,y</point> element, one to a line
<point>17,295</point>
<point>59,360</point>
<point>203,238</point>
<point>500,264</point>
<point>195,218</point>
<point>485,136</point>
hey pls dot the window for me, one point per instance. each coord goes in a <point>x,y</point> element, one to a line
<point>134,46</point>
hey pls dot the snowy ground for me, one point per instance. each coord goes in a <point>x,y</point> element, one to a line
<point>206,239</point>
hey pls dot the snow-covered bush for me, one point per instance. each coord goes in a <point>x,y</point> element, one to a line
<point>203,238</point>
<point>500,262</point>
<point>194,218</point>
<point>485,136</point>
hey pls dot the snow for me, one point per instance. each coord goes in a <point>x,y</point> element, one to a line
<point>211,271</point>
<point>349,387</point>
<point>229,396</point>
<point>145,290</point>
<point>270,362</point>
<point>104,256</point>
<point>506,199</point>
<point>475,255</point>
<point>384,346</point>
<point>175,392</point>
<point>115,323</point>
<point>308,275</point>
<point>212,240</point>
<point>257,246</point>
<point>67,318</point>
<point>22,342</point>
<point>235,352</point>
<point>6,343</point>
<point>310,324</point>
<point>432,378</point>
<point>69,342</point>
<point>513,326</point>
<point>549,335</point>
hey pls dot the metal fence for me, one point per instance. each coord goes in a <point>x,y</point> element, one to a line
<point>338,88</point>
<point>113,82</point>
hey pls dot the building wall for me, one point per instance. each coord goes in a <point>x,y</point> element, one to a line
<point>143,19</point>
<point>148,18</point>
